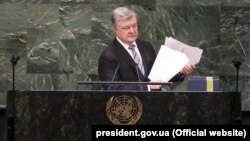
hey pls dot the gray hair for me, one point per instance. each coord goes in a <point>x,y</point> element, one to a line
<point>121,13</point>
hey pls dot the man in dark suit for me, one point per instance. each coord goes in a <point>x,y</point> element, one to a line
<point>121,62</point>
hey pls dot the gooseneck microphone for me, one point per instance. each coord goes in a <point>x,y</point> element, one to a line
<point>137,73</point>
<point>114,75</point>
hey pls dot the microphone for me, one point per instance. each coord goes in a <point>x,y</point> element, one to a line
<point>14,59</point>
<point>137,73</point>
<point>116,70</point>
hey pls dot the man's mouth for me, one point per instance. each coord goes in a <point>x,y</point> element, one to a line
<point>131,36</point>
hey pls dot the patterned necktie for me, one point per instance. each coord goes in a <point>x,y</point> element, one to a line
<point>137,59</point>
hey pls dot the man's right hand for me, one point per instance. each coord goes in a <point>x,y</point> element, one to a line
<point>155,87</point>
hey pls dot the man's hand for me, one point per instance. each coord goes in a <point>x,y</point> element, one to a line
<point>189,68</point>
<point>155,87</point>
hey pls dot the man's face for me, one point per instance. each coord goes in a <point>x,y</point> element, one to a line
<point>126,30</point>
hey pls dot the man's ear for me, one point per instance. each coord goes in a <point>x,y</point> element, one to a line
<point>114,29</point>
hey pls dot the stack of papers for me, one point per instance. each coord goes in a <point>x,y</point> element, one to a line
<point>172,58</point>
<point>167,64</point>
<point>193,53</point>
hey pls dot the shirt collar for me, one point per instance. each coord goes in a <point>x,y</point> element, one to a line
<point>124,44</point>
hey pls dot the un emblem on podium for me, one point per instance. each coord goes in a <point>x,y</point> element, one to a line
<point>124,110</point>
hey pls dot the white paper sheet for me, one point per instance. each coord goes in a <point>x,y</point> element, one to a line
<point>167,64</point>
<point>193,53</point>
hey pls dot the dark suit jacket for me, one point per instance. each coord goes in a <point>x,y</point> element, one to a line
<point>116,64</point>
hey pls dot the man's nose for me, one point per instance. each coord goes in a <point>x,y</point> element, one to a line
<point>131,29</point>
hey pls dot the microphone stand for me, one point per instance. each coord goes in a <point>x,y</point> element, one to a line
<point>11,118</point>
<point>237,64</point>
<point>137,72</point>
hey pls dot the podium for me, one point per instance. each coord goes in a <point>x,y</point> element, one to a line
<point>69,115</point>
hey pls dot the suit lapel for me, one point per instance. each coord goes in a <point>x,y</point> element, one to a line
<point>122,54</point>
